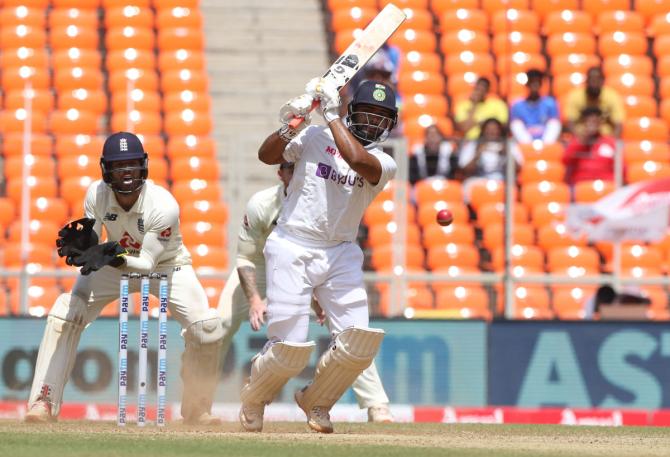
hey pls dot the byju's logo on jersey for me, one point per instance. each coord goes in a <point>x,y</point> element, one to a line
<point>327,172</point>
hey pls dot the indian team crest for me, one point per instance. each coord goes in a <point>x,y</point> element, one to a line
<point>379,93</point>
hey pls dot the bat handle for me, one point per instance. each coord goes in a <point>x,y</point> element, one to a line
<point>296,121</point>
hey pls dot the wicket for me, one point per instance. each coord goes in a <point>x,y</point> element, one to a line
<point>161,386</point>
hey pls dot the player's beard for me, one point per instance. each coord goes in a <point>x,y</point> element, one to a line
<point>127,181</point>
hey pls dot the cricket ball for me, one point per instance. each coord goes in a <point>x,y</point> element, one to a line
<point>444,217</point>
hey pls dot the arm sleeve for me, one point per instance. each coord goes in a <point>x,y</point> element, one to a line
<point>250,239</point>
<point>551,131</point>
<point>89,209</point>
<point>153,244</point>
<point>389,168</point>
<point>466,154</point>
<point>519,131</point>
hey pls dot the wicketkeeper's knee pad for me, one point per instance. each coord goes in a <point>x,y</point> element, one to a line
<point>271,370</point>
<point>207,331</point>
<point>58,350</point>
<point>351,352</point>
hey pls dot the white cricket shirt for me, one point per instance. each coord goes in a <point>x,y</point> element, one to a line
<point>155,215</point>
<point>326,199</point>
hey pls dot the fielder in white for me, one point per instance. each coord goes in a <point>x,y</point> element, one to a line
<point>244,294</point>
<point>312,251</point>
<point>141,220</point>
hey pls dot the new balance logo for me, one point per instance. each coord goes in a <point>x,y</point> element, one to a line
<point>123,145</point>
<point>110,217</point>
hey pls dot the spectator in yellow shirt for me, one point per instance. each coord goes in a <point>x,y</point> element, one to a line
<point>596,95</point>
<point>470,113</point>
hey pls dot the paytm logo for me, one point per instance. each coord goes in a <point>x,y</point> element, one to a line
<point>327,172</point>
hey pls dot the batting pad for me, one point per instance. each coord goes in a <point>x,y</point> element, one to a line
<point>55,360</point>
<point>353,351</point>
<point>271,370</point>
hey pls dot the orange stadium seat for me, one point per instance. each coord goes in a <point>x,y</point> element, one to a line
<point>382,211</point>
<point>180,38</point>
<point>544,192</point>
<point>468,61</point>
<point>41,99</point>
<point>26,15</point>
<point>541,170</point>
<point>519,62</point>
<point>527,256</point>
<point>570,43</point>
<point>132,78</point>
<point>73,121</point>
<point>435,235</point>
<point>24,57</point>
<point>556,235</point>
<point>664,86</point>
<point>73,191</point>
<point>427,212</point>
<point>180,16</point>
<point>207,258</point>
<point>389,189</point>
<point>573,63</point>
<point>465,40</point>
<point>462,255</point>
<point>73,36</point>
<point>418,104</point>
<point>466,302</point>
<point>530,302</point>
<point>661,43</point>
<point>641,151</point>
<point>493,235</point>
<point>641,106</point>
<point>49,209</point>
<point>546,7</point>
<point>382,234</point>
<point>94,101</point>
<point>64,16</point>
<point>83,4</point>
<point>186,122</point>
<point>178,80</point>
<point>415,298</point>
<point>596,7</point>
<point>440,6</point>
<point>508,43</point>
<point>351,18</point>
<point>16,78</point>
<point>130,37</point>
<point>188,99</point>
<point>146,122</point>
<point>591,191</point>
<point>12,121</point>
<point>421,82</point>
<point>203,232</point>
<point>417,19</point>
<point>420,61</point>
<point>194,168</point>
<point>22,36</point>
<point>561,258</point>
<point>41,166</point>
<point>486,191</point>
<point>651,8</point>
<point>190,146</point>
<point>640,256</point>
<point>454,271</point>
<point>568,303</point>
<point>642,171</point>
<point>181,58</point>
<point>78,144</point>
<point>129,16</point>
<point>196,189</point>
<point>411,4</point>
<point>551,152</point>
<point>413,128</point>
<point>78,78</point>
<point>437,189</point>
<point>162,4</point>
<point>494,213</point>
<point>665,110</point>
<point>382,256</point>
<point>568,21</point>
<point>40,144</point>
<point>645,128</point>
<point>460,84</point>
<point>463,19</point>
<point>40,298</point>
<point>515,20</point>
<point>414,40</point>
<point>631,84</point>
<point>659,25</point>
<point>39,231</point>
<point>137,99</point>
<point>202,210</point>
<point>75,57</point>
<point>619,21</point>
<point>74,166</point>
<point>491,7</point>
<point>344,38</point>
<point>122,59</point>
<point>616,43</point>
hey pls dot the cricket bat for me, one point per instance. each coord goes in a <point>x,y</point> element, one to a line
<point>361,50</point>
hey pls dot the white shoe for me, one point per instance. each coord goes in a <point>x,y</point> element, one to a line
<point>251,418</point>
<point>380,414</point>
<point>318,417</point>
<point>39,413</point>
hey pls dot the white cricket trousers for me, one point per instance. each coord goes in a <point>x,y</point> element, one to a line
<point>233,309</point>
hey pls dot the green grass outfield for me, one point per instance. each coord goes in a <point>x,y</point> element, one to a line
<point>96,439</point>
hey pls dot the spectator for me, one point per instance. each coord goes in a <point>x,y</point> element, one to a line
<point>535,118</point>
<point>590,154</point>
<point>595,94</point>
<point>433,157</point>
<point>486,157</point>
<point>470,113</point>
